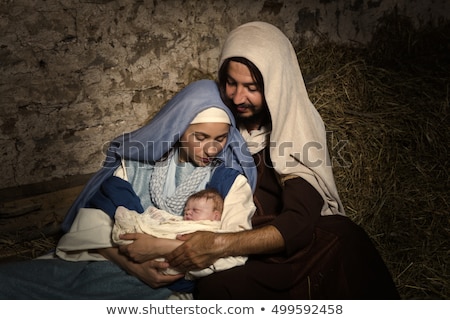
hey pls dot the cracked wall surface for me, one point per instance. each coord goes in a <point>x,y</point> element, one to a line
<point>75,74</point>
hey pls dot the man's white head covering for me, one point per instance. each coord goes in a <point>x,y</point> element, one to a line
<point>298,137</point>
<point>211,115</point>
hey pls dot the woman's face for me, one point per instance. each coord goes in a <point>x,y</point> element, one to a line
<point>201,142</point>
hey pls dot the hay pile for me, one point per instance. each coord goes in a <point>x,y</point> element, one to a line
<point>385,106</point>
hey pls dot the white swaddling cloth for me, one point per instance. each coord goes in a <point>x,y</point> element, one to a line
<point>162,224</point>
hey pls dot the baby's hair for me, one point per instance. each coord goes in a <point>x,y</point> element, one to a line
<point>209,194</point>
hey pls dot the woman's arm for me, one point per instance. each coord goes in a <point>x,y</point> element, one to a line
<point>148,272</point>
<point>236,216</point>
<point>146,247</point>
<point>238,207</point>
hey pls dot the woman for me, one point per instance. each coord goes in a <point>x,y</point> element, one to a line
<point>193,138</point>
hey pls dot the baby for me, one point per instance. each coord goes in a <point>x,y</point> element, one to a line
<point>202,211</point>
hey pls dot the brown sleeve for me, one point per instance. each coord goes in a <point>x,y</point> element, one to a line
<point>302,206</point>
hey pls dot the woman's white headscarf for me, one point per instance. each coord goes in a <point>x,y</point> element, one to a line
<point>298,137</point>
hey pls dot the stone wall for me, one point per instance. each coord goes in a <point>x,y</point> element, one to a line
<point>74,74</point>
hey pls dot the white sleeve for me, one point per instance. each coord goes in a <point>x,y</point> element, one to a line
<point>91,229</point>
<point>238,207</point>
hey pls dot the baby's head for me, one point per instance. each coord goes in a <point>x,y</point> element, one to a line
<point>204,205</point>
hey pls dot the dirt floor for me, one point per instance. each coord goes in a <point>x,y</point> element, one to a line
<point>30,225</point>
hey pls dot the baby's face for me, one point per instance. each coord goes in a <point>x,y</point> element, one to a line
<point>200,209</point>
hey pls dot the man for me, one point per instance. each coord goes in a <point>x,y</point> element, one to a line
<point>302,245</point>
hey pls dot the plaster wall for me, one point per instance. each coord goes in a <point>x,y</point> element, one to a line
<point>74,74</point>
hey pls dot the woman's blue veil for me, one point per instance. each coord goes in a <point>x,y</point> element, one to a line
<point>152,141</point>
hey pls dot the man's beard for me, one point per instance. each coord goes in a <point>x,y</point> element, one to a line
<point>256,117</point>
<point>249,119</point>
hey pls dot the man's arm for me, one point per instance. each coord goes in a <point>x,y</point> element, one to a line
<point>258,241</point>
<point>201,249</point>
<point>289,232</point>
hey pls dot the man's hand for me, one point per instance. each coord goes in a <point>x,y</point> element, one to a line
<point>199,250</point>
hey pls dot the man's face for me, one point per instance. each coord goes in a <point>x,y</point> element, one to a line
<point>242,90</point>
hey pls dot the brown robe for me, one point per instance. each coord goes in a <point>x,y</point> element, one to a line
<point>325,257</point>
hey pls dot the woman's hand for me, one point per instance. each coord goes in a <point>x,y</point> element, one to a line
<point>198,251</point>
<point>146,247</point>
<point>148,272</point>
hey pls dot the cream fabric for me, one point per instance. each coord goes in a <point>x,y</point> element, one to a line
<point>256,139</point>
<point>298,137</point>
<point>211,115</point>
<point>156,222</point>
